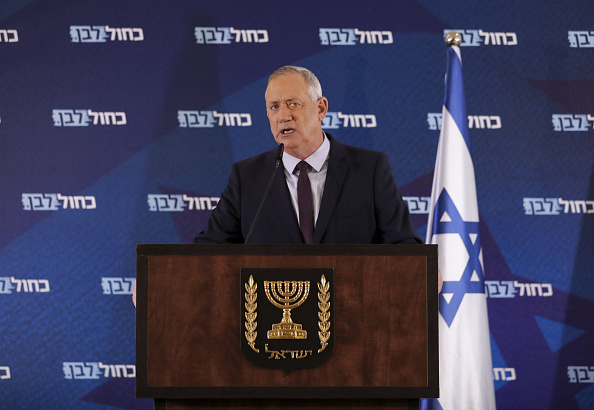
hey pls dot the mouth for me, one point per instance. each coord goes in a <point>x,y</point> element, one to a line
<point>287,131</point>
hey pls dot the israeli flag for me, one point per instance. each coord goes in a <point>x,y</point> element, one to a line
<point>465,365</point>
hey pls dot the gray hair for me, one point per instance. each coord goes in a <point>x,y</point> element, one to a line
<point>313,84</point>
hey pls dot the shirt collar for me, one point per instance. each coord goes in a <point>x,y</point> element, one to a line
<point>315,160</point>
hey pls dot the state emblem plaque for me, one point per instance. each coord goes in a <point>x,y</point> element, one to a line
<point>287,317</point>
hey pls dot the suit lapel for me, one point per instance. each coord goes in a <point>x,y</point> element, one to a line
<point>337,170</point>
<point>282,200</point>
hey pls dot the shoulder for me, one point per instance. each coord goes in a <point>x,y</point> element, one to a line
<point>338,150</point>
<point>258,161</point>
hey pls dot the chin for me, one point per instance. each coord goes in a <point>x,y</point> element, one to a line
<point>285,139</point>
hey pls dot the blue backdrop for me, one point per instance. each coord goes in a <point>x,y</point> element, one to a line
<point>119,123</point>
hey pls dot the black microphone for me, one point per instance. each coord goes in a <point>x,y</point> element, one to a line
<point>279,158</point>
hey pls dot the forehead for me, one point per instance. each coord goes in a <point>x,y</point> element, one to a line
<point>286,87</point>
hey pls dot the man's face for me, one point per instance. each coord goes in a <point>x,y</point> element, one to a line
<point>295,120</point>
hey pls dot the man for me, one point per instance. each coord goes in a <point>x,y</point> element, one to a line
<point>354,198</point>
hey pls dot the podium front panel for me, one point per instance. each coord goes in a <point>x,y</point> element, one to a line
<point>190,322</point>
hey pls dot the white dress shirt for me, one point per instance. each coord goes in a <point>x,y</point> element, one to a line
<point>318,167</point>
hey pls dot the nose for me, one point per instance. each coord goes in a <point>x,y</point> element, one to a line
<point>284,113</point>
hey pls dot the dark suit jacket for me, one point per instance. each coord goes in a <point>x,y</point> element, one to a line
<point>360,204</point>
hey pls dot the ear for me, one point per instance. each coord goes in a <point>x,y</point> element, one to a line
<point>322,108</point>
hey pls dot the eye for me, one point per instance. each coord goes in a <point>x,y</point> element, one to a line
<point>294,104</point>
<point>273,107</point>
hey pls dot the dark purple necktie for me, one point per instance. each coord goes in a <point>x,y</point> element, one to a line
<point>305,203</point>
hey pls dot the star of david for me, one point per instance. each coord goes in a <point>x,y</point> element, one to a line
<point>447,219</point>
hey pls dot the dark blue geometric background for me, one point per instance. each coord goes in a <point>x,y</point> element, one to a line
<point>400,83</point>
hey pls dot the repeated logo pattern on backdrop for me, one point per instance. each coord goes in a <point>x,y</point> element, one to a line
<point>121,128</point>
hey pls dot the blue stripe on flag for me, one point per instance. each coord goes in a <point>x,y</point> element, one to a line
<point>454,99</point>
<point>430,404</point>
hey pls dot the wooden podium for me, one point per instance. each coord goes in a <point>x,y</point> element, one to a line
<point>190,327</point>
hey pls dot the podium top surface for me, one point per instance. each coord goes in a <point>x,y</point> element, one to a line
<point>284,249</point>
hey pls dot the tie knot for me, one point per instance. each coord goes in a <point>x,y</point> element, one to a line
<point>302,166</point>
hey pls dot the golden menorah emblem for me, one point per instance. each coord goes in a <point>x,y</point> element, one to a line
<point>287,295</point>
